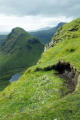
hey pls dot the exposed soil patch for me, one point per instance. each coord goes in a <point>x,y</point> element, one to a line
<point>65,71</point>
<point>69,73</point>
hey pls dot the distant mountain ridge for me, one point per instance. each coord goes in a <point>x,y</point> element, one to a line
<point>46,35</point>
<point>43,34</point>
<point>2,38</point>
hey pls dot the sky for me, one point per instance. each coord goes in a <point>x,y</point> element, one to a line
<point>35,14</point>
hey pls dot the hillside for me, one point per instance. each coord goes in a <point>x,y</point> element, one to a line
<point>2,38</point>
<point>18,52</point>
<point>46,35</point>
<point>49,90</point>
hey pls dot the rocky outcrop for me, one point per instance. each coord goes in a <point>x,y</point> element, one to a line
<point>69,73</point>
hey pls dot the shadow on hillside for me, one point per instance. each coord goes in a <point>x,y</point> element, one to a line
<point>3,84</point>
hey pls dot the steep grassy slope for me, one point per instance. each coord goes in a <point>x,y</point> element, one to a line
<point>41,94</point>
<point>46,35</point>
<point>19,51</point>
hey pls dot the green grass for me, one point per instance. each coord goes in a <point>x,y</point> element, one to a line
<point>62,50</point>
<point>39,95</point>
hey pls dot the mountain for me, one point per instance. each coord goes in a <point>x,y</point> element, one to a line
<point>2,38</point>
<point>46,35</point>
<point>44,28</point>
<point>19,51</point>
<point>49,90</point>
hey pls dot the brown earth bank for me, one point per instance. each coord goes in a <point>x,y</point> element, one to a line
<point>66,71</point>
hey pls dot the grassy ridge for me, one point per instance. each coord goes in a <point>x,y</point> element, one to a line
<point>19,51</point>
<point>66,41</point>
<point>38,95</point>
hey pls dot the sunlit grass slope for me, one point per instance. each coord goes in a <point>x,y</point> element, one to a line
<point>41,95</point>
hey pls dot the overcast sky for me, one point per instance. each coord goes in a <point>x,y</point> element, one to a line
<point>36,14</point>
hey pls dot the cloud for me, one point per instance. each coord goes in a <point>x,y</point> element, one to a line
<point>52,8</point>
<point>29,22</point>
<point>35,14</point>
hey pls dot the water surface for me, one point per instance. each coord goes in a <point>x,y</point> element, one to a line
<point>15,77</point>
